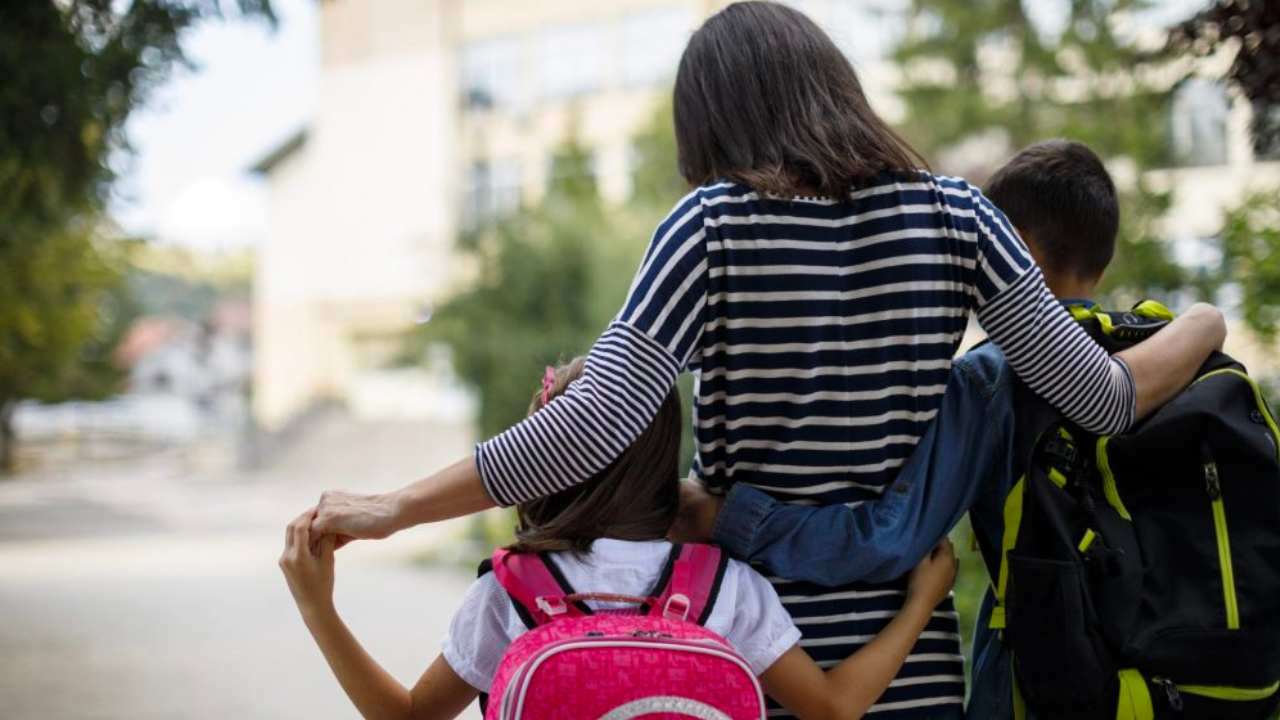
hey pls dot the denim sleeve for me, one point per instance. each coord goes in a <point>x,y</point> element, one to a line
<point>883,539</point>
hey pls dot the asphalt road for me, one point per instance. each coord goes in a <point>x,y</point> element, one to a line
<point>148,589</point>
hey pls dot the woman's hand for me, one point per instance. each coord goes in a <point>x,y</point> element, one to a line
<point>934,577</point>
<point>308,570</point>
<point>356,517</point>
<point>696,519</point>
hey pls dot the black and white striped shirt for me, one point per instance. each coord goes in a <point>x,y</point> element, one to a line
<point>821,333</point>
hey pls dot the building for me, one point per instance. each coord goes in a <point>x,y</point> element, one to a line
<point>434,115</point>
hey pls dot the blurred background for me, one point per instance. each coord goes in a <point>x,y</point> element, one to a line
<point>254,250</point>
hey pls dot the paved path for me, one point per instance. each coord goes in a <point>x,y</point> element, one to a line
<point>147,590</point>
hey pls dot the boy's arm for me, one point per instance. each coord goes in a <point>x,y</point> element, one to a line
<point>438,695</point>
<point>848,690</point>
<point>879,540</point>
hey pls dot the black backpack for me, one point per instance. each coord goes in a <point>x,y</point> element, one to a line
<point>1140,573</point>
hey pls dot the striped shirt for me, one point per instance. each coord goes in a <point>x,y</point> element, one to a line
<point>820,332</point>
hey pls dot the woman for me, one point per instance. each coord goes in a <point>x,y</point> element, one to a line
<point>818,282</point>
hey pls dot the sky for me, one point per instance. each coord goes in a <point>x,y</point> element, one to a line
<point>187,181</point>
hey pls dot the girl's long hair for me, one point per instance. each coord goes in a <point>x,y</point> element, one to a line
<point>635,497</point>
<point>765,98</point>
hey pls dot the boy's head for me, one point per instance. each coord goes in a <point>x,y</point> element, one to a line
<point>1060,197</point>
<point>635,497</point>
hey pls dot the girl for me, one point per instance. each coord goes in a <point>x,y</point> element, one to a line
<point>817,282</point>
<point>606,535</point>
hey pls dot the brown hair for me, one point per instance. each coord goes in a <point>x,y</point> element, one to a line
<point>634,498</point>
<point>763,97</point>
<point>1060,196</point>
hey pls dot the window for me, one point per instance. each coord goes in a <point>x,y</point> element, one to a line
<point>493,191</point>
<point>571,60</point>
<point>1266,131</point>
<point>1198,123</point>
<point>491,74</point>
<point>652,42</point>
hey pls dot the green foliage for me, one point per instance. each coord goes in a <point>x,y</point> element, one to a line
<point>1250,243</point>
<point>979,67</point>
<point>548,282</point>
<point>73,72</point>
<point>550,278</point>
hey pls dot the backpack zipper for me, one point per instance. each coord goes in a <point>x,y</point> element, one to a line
<point>1213,486</point>
<point>1172,693</point>
<point>1234,694</point>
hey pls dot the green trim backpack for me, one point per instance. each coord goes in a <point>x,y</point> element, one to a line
<point>1140,573</point>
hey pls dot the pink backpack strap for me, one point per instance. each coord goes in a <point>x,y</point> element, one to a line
<point>695,582</point>
<point>535,586</point>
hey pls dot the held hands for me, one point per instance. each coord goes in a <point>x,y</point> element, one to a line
<point>308,568</point>
<point>933,578</point>
<point>696,519</point>
<point>354,517</point>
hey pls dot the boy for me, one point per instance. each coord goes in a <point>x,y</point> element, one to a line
<point>1063,203</point>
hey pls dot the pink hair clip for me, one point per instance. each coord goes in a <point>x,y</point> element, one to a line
<point>548,384</point>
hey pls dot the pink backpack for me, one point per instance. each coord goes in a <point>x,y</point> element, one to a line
<point>655,661</point>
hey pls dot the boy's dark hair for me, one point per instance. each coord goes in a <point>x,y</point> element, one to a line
<point>635,497</point>
<point>1058,193</point>
<point>763,97</point>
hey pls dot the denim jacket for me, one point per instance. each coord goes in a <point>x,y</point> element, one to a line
<point>963,461</point>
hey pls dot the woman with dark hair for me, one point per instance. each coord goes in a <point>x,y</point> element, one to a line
<point>817,282</point>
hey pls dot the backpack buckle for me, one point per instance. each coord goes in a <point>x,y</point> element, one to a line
<point>1063,450</point>
<point>552,606</point>
<point>677,607</point>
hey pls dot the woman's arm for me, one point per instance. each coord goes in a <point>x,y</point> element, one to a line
<point>440,694</point>
<point>1167,362</point>
<point>1049,350</point>
<point>848,690</point>
<point>629,371</point>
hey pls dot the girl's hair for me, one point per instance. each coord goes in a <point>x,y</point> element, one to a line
<point>763,97</point>
<point>635,498</point>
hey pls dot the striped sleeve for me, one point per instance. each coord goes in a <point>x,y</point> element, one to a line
<point>1044,346</point>
<point>628,373</point>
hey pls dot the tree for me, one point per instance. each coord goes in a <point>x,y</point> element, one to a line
<point>73,72</point>
<point>1252,31</point>
<point>551,277</point>
<point>1250,243</point>
<point>1250,237</point>
<point>976,70</point>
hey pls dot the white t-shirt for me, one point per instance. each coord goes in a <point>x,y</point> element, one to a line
<point>747,611</point>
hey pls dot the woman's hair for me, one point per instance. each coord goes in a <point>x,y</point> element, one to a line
<point>763,97</point>
<point>634,498</point>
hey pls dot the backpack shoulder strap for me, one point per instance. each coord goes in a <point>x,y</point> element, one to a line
<point>537,589</point>
<point>694,583</point>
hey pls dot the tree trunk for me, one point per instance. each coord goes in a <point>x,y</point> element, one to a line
<point>8,455</point>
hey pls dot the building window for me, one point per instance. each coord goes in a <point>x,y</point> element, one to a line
<point>493,192</point>
<point>855,26</point>
<point>571,60</point>
<point>652,42</point>
<point>491,74</point>
<point>1198,123</point>
<point>1266,131</point>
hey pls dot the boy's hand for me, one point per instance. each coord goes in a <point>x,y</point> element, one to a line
<point>934,576</point>
<point>697,516</point>
<point>308,571</point>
